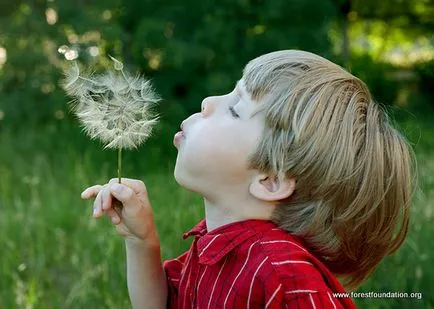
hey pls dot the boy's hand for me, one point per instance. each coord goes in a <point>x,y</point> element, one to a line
<point>135,221</point>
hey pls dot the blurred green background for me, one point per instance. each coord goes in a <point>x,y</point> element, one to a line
<point>53,255</point>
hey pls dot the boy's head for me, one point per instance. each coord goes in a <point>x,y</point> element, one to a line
<point>311,147</point>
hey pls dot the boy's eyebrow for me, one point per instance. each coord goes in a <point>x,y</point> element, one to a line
<point>239,89</point>
<point>243,93</point>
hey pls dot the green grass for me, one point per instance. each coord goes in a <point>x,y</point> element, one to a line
<point>54,255</point>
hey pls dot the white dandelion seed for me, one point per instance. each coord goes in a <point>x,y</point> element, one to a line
<point>118,65</point>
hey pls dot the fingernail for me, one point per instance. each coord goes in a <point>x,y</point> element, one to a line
<point>94,211</point>
<point>117,187</point>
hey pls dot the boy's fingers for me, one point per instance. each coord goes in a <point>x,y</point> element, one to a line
<point>113,216</point>
<point>97,206</point>
<point>124,194</point>
<point>91,192</point>
<point>106,198</point>
<point>138,186</point>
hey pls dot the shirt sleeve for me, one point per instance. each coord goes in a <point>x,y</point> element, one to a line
<point>173,269</point>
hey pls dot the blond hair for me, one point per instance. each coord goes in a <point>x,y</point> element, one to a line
<point>354,171</point>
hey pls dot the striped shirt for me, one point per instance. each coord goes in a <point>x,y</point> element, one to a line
<point>249,264</point>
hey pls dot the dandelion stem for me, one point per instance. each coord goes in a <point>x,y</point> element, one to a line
<point>119,164</point>
<point>117,206</point>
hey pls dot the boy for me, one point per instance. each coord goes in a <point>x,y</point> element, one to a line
<point>303,179</point>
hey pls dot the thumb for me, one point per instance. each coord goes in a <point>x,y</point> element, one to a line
<point>123,194</point>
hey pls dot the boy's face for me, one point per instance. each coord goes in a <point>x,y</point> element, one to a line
<point>212,157</point>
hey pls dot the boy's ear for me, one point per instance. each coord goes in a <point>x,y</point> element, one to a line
<point>271,187</point>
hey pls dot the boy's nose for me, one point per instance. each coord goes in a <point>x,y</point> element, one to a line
<point>208,105</point>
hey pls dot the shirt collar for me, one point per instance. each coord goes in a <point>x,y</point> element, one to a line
<point>213,246</point>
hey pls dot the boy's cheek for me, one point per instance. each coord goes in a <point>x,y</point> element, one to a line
<point>214,164</point>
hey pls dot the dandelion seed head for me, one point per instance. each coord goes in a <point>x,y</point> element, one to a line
<point>116,108</point>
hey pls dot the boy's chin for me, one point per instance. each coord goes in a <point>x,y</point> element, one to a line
<point>180,177</point>
<point>184,181</point>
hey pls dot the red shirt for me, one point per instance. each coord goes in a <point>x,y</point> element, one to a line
<point>249,264</point>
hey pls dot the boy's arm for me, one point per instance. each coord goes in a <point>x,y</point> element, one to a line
<point>146,279</point>
<point>147,285</point>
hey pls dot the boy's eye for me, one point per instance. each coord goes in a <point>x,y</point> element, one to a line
<point>233,112</point>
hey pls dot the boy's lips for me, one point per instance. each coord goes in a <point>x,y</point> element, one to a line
<point>177,138</point>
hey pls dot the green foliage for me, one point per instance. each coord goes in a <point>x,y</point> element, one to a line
<point>377,77</point>
<point>425,70</point>
<point>412,16</point>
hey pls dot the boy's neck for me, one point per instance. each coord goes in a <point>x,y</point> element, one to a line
<point>219,214</point>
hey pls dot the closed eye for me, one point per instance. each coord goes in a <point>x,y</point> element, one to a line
<point>233,112</point>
